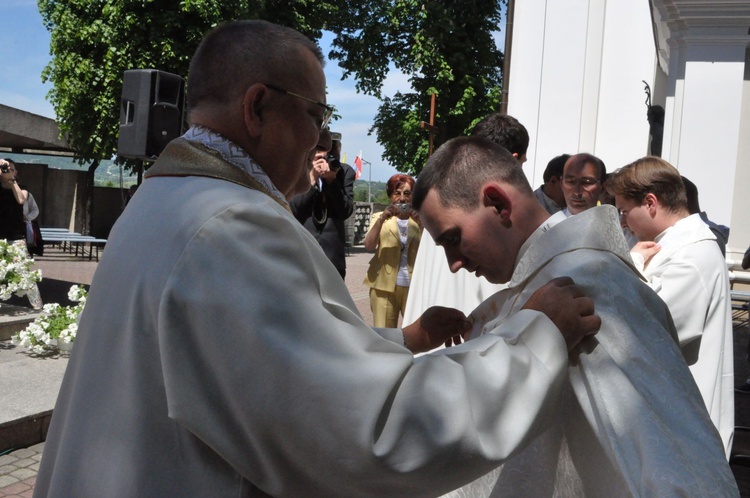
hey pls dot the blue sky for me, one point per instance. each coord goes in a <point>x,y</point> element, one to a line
<point>24,52</point>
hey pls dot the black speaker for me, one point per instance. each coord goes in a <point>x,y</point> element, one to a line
<point>151,109</point>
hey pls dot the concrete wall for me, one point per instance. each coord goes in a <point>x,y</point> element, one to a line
<point>61,197</point>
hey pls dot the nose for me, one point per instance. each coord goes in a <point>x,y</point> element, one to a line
<point>455,262</point>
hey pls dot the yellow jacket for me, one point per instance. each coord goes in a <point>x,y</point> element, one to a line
<point>384,264</point>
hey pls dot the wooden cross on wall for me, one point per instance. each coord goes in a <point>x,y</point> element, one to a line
<point>430,127</point>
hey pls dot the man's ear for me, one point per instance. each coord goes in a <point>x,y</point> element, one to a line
<point>253,107</point>
<point>651,203</point>
<point>494,195</point>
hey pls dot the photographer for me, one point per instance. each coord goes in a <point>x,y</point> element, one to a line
<point>394,234</point>
<point>12,225</point>
<point>329,202</point>
<point>12,198</point>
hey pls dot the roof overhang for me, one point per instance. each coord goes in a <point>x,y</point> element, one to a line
<point>23,132</point>
<point>711,22</point>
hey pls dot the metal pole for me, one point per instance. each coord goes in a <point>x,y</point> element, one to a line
<point>369,179</point>
<point>506,62</point>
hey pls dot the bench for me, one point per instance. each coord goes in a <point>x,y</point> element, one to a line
<point>74,242</point>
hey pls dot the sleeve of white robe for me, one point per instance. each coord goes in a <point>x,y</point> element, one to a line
<point>279,375</point>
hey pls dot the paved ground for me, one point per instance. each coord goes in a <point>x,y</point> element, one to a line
<point>18,467</point>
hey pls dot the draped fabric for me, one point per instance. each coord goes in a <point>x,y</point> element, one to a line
<point>220,354</point>
<point>630,421</point>
<point>690,275</point>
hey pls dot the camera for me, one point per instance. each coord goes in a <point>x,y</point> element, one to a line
<point>5,168</point>
<point>333,162</point>
<point>403,208</point>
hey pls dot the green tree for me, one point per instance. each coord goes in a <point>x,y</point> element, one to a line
<point>94,41</point>
<point>445,46</point>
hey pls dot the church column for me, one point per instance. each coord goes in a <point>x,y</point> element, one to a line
<point>704,48</point>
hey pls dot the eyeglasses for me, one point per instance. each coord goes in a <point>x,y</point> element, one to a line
<point>328,109</point>
<point>585,183</point>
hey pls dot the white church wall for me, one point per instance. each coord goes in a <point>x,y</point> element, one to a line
<point>704,124</point>
<point>739,236</point>
<point>628,59</point>
<point>576,79</point>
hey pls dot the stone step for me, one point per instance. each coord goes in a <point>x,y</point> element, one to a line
<point>14,319</point>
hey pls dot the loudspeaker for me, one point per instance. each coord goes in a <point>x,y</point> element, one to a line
<point>151,109</point>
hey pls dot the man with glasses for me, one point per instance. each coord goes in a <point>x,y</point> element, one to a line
<point>220,353</point>
<point>582,179</point>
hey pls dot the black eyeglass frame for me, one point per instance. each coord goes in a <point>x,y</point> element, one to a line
<point>327,114</point>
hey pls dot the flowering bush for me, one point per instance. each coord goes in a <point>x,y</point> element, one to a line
<point>16,275</point>
<point>56,327</point>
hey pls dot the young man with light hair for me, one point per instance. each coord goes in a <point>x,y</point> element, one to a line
<point>631,421</point>
<point>679,258</point>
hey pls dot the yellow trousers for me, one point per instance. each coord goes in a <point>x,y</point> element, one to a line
<point>386,306</point>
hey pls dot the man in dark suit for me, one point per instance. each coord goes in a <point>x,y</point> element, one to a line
<point>329,202</point>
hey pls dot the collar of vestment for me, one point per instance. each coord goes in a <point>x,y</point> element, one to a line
<point>203,152</point>
<point>688,230</point>
<point>596,228</point>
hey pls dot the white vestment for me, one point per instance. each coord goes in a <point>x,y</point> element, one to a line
<point>690,275</point>
<point>631,421</point>
<point>433,284</point>
<point>220,354</point>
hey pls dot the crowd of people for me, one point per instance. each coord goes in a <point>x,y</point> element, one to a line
<point>591,351</point>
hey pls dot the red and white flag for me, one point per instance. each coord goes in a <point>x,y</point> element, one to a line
<point>358,164</point>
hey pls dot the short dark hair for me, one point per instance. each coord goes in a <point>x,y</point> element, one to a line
<point>238,54</point>
<point>691,191</point>
<point>584,158</point>
<point>503,130</point>
<point>555,167</point>
<point>650,175</point>
<point>459,168</point>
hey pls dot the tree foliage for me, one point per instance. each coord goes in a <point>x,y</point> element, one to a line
<point>444,46</point>
<point>94,41</point>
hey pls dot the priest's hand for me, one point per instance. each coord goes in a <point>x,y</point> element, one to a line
<point>437,325</point>
<point>568,308</point>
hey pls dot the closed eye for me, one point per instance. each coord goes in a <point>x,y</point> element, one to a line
<point>449,238</point>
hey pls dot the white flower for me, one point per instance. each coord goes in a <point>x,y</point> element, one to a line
<point>56,325</point>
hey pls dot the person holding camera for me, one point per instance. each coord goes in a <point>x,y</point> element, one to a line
<point>329,202</point>
<point>12,224</point>
<point>12,198</point>
<point>394,235</point>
